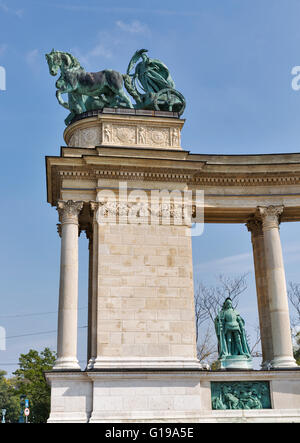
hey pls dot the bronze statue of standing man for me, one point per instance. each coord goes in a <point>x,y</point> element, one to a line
<point>233,347</point>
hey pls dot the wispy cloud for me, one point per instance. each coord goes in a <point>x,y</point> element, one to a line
<point>98,51</point>
<point>238,263</point>
<point>134,27</point>
<point>8,10</point>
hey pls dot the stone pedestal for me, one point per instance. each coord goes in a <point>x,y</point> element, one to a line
<point>235,362</point>
<point>128,128</point>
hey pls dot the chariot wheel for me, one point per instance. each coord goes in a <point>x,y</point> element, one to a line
<point>169,99</point>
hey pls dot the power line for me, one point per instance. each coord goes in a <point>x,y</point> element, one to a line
<point>16,364</point>
<point>38,333</point>
<point>34,313</point>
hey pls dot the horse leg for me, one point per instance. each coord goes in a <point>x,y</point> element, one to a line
<point>79,103</point>
<point>123,96</point>
<point>60,99</point>
<point>119,97</point>
<point>76,106</point>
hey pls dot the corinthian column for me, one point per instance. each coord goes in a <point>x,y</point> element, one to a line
<point>279,311</point>
<point>254,225</point>
<point>68,288</point>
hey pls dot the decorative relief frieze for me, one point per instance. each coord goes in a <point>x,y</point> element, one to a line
<point>85,138</point>
<point>144,212</point>
<point>143,134</point>
<point>124,135</point>
<point>159,137</point>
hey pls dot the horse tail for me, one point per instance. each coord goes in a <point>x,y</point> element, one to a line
<point>130,88</point>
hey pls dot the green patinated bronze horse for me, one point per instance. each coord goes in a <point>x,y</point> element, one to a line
<point>86,90</point>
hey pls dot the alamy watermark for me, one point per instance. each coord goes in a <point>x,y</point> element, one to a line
<point>153,207</point>
<point>2,79</point>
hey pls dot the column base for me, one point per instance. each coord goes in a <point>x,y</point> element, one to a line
<point>66,363</point>
<point>284,362</point>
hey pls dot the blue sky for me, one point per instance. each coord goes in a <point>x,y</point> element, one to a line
<point>231,59</point>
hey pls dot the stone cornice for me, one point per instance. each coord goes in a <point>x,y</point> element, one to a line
<point>192,176</point>
<point>232,189</point>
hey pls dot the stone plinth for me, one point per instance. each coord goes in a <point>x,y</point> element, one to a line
<point>130,396</point>
<point>235,362</point>
<point>144,129</point>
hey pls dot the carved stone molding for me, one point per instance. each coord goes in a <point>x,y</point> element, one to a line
<point>187,176</point>
<point>214,179</point>
<point>69,211</point>
<point>118,174</point>
<point>270,216</point>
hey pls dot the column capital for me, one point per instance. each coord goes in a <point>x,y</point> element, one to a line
<point>93,207</point>
<point>254,225</point>
<point>270,216</point>
<point>68,211</point>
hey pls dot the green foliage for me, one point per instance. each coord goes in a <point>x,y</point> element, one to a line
<point>30,381</point>
<point>9,398</point>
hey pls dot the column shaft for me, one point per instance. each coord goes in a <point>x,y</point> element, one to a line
<point>68,287</point>
<point>254,225</point>
<point>93,290</point>
<point>279,311</point>
<point>89,234</point>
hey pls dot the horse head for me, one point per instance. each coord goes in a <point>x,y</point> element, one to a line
<point>54,61</point>
<point>58,59</point>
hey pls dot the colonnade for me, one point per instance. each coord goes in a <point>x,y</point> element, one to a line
<point>270,283</point>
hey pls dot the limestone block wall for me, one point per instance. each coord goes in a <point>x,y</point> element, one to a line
<point>145,303</point>
<point>146,397</point>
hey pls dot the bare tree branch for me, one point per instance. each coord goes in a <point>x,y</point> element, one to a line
<point>208,302</point>
<point>294,297</point>
<point>206,347</point>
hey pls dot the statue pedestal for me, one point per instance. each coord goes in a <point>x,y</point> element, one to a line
<point>126,128</point>
<point>235,362</point>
